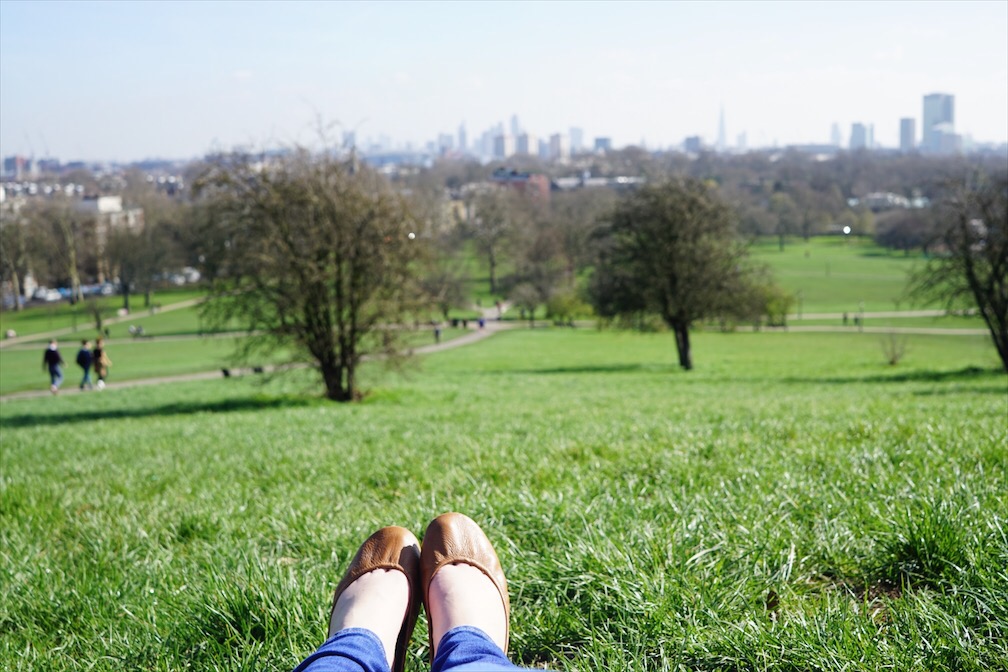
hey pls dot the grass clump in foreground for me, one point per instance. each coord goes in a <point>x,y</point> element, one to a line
<point>792,504</point>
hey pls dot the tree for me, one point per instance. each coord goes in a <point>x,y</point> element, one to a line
<point>13,255</point>
<point>490,224</point>
<point>316,257</point>
<point>60,237</point>
<point>670,248</point>
<point>973,268</point>
<point>527,298</point>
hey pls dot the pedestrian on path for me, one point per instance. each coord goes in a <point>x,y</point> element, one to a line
<point>54,362</point>
<point>101,362</point>
<point>84,360</point>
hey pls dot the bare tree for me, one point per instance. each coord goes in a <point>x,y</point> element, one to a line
<point>59,239</point>
<point>316,256</point>
<point>972,268</point>
<point>13,255</point>
<point>489,222</point>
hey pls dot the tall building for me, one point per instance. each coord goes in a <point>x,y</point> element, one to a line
<point>603,144</point>
<point>722,141</point>
<point>527,145</point>
<point>462,141</point>
<point>559,147</point>
<point>938,120</point>
<point>576,140</point>
<point>835,139</point>
<point>503,147</point>
<point>858,136</point>
<point>908,134</point>
<point>515,126</point>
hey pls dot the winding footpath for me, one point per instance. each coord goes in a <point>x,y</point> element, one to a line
<point>491,326</point>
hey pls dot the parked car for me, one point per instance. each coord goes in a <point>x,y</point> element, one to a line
<point>47,295</point>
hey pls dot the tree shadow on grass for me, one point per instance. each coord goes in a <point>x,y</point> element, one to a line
<point>178,408</point>
<point>598,368</point>
<point>964,375</point>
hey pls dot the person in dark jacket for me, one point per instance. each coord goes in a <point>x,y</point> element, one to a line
<point>84,359</point>
<point>52,360</point>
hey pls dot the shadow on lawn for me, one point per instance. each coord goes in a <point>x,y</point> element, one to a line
<point>964,375</point>
<point>179,408</point>
<point>598,368</point>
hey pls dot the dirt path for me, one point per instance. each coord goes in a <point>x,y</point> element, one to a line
<point>492,325</point>
<point>45,335</point>
<point>476,334</point>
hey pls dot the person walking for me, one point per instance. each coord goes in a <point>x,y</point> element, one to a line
<point>84,360</point>
<point>101,362</point>
<point>54,362</point>
<point>457,577</point>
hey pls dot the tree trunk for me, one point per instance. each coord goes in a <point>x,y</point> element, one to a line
<point>75,278</point>
<point>332,375</point>
<point>493,272</point>
<point>683,345</point>
<point>998,329</point>
<point>16,287</point>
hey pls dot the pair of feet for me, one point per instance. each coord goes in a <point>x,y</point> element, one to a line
<point>457,575</point>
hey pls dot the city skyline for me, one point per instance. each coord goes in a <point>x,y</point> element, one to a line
<point>127,82</point>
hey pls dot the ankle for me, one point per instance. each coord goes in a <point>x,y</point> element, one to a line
<point>462,595</point>
<point>376,601</point>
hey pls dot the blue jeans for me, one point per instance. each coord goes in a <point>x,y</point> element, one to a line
<point>55,375</point>
<point>87,377</point>
<point>462,649</point>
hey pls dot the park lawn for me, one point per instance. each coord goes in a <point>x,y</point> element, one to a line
<point>793,503</point>
<point>137,358</point>
<point>21,367</point>
<point>62,315</point>
<point>939,322</point>
<point>833,274</point>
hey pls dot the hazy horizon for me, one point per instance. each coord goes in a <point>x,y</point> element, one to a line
<point>108,81</point>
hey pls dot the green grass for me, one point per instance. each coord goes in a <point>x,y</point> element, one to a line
<point>62,315</point>
<point>940,322</point>
<point>133,359</point>
<point>838,274</point>
<point>791,504</point>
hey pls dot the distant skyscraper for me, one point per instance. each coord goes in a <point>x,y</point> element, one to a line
<point>603,144</point>
<point>544,150</point>
<point>722,143</point>
<point>515,126</point>
<point>576,140</point>
<point>858,136</point>
<point>462,141</point>
<point>741,142</point>
<point>938,120</point>
<point>504,146</point>
<point>835,138</point>
<point>559,147</point>
<point>527,144</point>
<point>908,134</point>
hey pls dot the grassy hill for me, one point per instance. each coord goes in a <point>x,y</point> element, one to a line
<point>793,503</point>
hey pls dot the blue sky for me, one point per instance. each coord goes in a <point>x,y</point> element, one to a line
<point>126,81</point>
